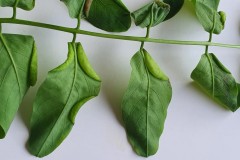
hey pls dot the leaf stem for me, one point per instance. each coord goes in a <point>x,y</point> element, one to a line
<point>78,27</point>
<point>147,36</point>
<point>148,29</point>
<point>211,33</point>
<point>114,36</point>
<point>15,9</point>
<point>78,24</point>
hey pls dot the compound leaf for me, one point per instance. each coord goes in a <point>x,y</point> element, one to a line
<point>58,100</point>
<point>218,81</point>
<point>145,103</point>
<point>17,73</point>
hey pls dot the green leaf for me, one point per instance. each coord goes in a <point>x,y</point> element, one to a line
<point>209,17</point>
<point>218,81</point>
<point>211,3</point>
<point>151,14</point>
<point>23,4</point>
<point>18,71</point>
<point>145,103</point>
<point>108,15</point>
<point>161,10</point>
<point>58,100</point>
<point>75,7</point>
<point>175,6</point>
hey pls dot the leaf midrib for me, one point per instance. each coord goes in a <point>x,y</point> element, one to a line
<point>72,86</point>
<point>12,61</point>
<point>212,73</point>
<point>148,95</point>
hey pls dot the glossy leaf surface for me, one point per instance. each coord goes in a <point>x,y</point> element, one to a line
<point>209,17</point>
<point>175,6</point>
<point>23,4</point>
<point>151,14</point>
<point>219,83</point>
<point>18,72</point>
<point>108,15</point>
<point>145,103</point>
<point>58,100</point>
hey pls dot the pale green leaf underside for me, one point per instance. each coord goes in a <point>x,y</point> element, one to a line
<point>144,106</point>
<point>16,52</point>
<point>58,100</point>
<point>209,17</point>
<point>151,14</point>
<point>75,7</point>
<point>211,3</point>
<point>108,15</point>
<point>23,4</point>
<point>219,83</point>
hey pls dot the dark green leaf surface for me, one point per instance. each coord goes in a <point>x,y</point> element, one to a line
<point>17,72</point>
<point>23,4</point>
<point>209,17</point>
<point>211,75</point>
<point>145,103</point>
<point>108,15</point>
<point>175,6</point>
<point>151,14</point>
<point>58,100</point>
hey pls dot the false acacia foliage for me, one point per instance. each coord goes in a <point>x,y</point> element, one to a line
<point>145,103</point>
<point>108,15</point>
<point>18,72</point>
<point>58,100</point>
<point>218,81</point>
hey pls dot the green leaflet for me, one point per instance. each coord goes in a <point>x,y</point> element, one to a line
<point>145,103</point>
<point>18,71</point>
<point>151,14</point>
<point>209,17</point>
<point>211,75</point>
<point>75,7</point>
<point>211,3</point>
<point>158,10</point>
<point>108,15</point>
<point>23,4</point>
<point>58,100</point>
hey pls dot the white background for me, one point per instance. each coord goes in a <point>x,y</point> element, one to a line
<point>196,127</point>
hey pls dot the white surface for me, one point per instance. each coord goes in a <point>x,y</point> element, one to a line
<point>196,127</point>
